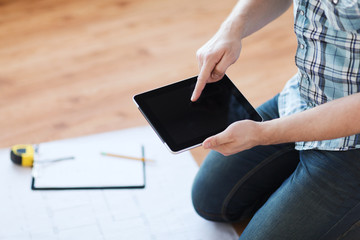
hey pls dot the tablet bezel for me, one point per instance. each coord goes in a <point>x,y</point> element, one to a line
<point>141,101</point>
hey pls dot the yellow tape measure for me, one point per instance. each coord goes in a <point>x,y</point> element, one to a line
<point>23,154</point>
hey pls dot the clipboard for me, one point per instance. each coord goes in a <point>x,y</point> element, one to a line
<point>85,168</point>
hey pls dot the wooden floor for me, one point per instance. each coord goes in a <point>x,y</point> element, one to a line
<point>70,67</point>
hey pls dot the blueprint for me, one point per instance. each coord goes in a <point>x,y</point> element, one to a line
<point>162,210</point>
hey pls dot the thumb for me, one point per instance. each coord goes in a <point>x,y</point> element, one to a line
<point>220,69</point>
<point>216,140</point>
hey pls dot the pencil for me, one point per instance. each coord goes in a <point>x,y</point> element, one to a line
<point>126,157</point>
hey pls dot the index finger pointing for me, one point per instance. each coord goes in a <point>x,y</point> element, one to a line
<point>203,78</point>
<point>199,87</point>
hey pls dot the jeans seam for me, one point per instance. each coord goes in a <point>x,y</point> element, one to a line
<point>247,176</point>
<point>350,229</point>
<point>343,234</point>
<point>204,213</point>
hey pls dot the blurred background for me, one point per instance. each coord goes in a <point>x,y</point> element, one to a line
<point>70,67</point>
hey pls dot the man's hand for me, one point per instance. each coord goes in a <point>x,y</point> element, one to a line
<point>222,50</point>
<point>334,119</point>
<point>237,137</point>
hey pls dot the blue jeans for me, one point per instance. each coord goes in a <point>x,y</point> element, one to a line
<point>288,194</point>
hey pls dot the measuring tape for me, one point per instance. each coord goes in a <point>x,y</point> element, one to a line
<point>22,154</point>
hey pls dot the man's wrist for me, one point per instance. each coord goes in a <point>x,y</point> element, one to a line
<point>234,27</point>
<point>267,133</point>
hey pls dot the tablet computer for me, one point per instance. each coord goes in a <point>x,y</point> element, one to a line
<point>182,124</point>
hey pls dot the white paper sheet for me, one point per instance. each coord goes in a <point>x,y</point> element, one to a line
<point>89,168</point>
<point>162,210</point>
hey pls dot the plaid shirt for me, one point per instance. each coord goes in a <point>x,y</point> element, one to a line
<point>328,60</point>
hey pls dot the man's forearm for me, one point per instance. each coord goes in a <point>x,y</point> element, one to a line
<point>338,118</point>
<point>248,16</point>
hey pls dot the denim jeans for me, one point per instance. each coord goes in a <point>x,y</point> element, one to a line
<point>288,194</point>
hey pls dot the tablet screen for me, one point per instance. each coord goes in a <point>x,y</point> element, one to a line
<point>181,123</point>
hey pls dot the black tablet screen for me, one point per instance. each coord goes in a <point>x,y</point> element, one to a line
<point>182,123</point>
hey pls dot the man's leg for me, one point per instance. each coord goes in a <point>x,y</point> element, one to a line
<point>231,188</point>
<point>234,187</point>
<point>320,200</point>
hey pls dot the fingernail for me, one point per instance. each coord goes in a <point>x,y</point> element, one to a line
<point>193,97</point>
<point>207,145</point>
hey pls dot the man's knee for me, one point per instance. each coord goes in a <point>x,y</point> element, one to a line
<point>210,200</point>
<point>205,203</point>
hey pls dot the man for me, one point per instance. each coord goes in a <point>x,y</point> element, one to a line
<point>297,174</point>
